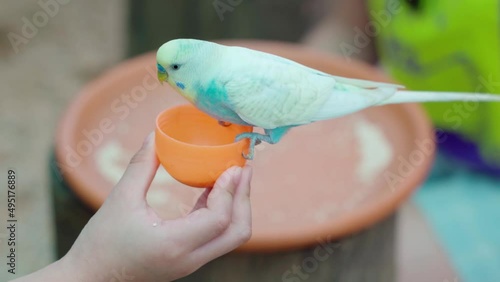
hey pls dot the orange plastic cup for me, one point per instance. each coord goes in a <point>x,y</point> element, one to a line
<point>194,148</point>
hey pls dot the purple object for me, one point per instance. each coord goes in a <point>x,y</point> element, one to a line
<point>465,151</point>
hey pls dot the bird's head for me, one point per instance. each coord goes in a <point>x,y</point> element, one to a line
<point>176,60</point>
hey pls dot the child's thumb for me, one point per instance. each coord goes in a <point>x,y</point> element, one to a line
<point>140,172</point>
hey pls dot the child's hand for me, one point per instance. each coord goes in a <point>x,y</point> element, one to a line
<point>126,239</point>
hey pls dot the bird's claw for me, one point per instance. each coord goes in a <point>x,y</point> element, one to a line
<point>254,140</point>
<point>247,157</point>
<point>224,123</point>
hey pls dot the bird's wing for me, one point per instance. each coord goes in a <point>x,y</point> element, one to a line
<point>365,83</point>
<point>271,93</point>
<point>351,81</point>
<point>347,99</point>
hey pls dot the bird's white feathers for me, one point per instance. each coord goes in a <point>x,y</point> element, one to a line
<point>430,96</point>
<point>347,99</point>
<point>270,91</point>
<point>276,95</point>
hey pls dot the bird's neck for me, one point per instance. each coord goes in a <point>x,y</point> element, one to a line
<point>184,88</point>
<point>186,93</point>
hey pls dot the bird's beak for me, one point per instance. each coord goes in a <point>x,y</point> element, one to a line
<point>162,76</point>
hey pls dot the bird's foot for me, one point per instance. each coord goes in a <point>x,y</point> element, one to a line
<point>255,139</point>
<point>224,123</point>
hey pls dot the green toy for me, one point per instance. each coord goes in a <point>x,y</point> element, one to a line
<point>445,45</point>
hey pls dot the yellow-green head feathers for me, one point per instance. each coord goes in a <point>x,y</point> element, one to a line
<point>177,60</point>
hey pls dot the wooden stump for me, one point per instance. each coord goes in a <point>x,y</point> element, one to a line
<point>367,256</point>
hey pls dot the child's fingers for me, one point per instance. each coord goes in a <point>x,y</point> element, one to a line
<point>238,232</point>
<point>202,225</point>
<point>140,172</point>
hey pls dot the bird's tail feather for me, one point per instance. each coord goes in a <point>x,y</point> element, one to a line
<point>430,96</point>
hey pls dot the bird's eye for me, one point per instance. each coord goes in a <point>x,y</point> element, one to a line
<point>175,67</point>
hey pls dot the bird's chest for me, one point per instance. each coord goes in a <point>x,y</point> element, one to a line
<point>213,100</point>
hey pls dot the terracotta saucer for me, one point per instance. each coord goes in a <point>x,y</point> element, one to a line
<point>321,182</point>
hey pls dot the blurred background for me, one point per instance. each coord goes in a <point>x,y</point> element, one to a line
<point>49,49</point>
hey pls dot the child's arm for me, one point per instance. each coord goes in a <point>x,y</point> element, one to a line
<point>336,32</point>
<point>126,240</point>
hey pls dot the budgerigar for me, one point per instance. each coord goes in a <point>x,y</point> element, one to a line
<point>249,87</point>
